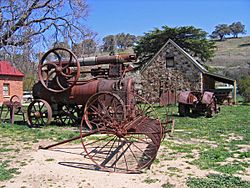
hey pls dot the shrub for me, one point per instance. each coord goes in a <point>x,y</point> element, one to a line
<point>244,88</point>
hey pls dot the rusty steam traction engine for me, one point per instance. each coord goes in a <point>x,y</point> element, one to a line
<point>120,131</point>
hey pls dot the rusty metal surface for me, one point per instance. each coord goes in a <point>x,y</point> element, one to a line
<point>168,97</point>
<point>187,97</point>
<point>98,60</point>
<point>127,130</point>
<point>58,77</point>
<point>197,102</point>
<point>39,113</point>
<point>124,143</point>
<point>207,97</point>
<point>11,108</point>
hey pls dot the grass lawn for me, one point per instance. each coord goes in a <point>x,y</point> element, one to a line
<point>222,143</point>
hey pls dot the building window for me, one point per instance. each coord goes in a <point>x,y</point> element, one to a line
<point>6,89</point>
<point>169,62</point>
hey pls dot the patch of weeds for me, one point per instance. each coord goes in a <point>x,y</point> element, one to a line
<point>27,148</point>
<point>239,142</point>
<point>243,155</point>
<point>167,185</point>
<point>5,172</point>
<point>156,161</point>
<point>23,163</point>
<point>179,148</point>
<point>31,160</point>
<point>149,180</point>
<point>185,148</point>
<point>5,144</point>
<point>50,159</point>
<point>229,168</point>
<point>217,181</point>
<point>188,156</point>
<point>5,149</point>
<point>210,157</point>
<point>232,147</point>
<point>167,157</point>
<point>170,174</point>
<point>17,150</point>
<point>174,169</point>
<point>25,134</point>
<point>173,153</point>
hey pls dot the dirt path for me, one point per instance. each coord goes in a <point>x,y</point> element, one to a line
<point>50,168</point>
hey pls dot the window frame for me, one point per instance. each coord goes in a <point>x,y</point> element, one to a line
<point>168,59</point>
<point>6,92</point>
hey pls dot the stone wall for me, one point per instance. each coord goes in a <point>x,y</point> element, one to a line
<point>15,87</point>
<point>157,78</point>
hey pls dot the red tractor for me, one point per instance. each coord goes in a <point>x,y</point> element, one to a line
<point>198,103</point>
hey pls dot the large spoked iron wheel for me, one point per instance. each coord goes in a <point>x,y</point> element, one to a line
<point>104,109</point>
<point>121,145</point>
<point>59,70</point>
<point>39,113</point>
<point>69,115</point>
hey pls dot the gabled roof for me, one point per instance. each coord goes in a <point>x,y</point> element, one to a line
<point>216,77</point>
<point>196,63</point>
<point>8,70</point>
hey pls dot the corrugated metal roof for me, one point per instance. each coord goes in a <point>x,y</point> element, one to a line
<point>220,78</point>
<point>8,70</point>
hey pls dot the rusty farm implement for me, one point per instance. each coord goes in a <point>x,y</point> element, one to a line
<point>119,130</point>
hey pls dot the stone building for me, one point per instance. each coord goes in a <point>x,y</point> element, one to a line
<point>11,81</point>
<point>172,70</point>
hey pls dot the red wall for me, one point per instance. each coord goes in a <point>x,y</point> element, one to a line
<point>15,87</point>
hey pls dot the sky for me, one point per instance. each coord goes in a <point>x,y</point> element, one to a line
<point>138,16</point>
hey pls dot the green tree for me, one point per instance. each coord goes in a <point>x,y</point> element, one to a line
<point>237,28</point>
<point>191,39</point>
<point>86,47</point>
<point>244,88</point>
<point>109,43</point>
<point>125,40</point>
<point>221,31</point>
<point>21,21</point>
<point>118,42</point>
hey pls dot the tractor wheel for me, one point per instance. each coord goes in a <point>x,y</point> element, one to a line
<point>39,113</point>
<point>183,109</point>
<point>116,142</point>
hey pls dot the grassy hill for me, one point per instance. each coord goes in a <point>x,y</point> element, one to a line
<point>232,57</point>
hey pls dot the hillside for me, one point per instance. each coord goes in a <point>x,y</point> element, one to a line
<point>232,57</point>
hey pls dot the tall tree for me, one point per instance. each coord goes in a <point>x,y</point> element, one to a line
<point>25,61</point>
<point>109,43</point>
<point>125,40</point>
<point>21,21</point>
<point>86,47</point>
<point>221,31</point>
<point>120,42</point>
<point>27,27</point>
<point>191,39</point>
<point>237,28</point>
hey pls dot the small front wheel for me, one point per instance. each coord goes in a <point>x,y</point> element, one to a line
<point>39,113</point>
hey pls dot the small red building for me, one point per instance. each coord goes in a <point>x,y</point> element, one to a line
<point>11,81</point>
